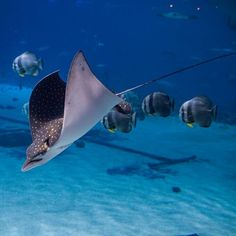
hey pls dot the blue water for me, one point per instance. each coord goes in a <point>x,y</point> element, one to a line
<point>107,187</point>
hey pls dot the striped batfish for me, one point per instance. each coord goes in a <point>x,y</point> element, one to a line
<point>158,103</point>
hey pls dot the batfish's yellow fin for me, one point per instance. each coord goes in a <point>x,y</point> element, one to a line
<point>190,125</point>
<point>112,130</point>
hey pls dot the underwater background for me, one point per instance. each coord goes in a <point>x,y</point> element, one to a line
<point>118,183</point>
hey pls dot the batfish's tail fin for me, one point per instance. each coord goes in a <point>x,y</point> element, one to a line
<point>177,72</point>
<point>214,112</point>
<point>87,100</point>
<point>40,63</point>
<point>134,119</point>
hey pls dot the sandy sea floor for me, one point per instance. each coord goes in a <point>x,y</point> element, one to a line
<point>74,194</point>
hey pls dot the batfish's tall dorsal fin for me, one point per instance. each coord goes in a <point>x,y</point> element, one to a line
<point>46,103</point>
<point>87,100</point>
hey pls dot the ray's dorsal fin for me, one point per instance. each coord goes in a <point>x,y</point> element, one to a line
<point>46,102</point>
<point>87,100</point>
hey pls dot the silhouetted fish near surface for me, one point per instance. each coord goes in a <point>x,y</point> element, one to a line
<point>225,50</point>
<point>178,16</point>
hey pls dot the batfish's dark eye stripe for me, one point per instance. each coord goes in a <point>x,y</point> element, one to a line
<point>21,69</point>
<point>169,101</point>
<point>14,66</point>
<point>103,120</point>
<point>150,104</point>
<point>182,115</point>
<point>156,101</point>
<point>189,115</point>
<point>146,104</point>
<point>110,122</point>
<point>144,107</point>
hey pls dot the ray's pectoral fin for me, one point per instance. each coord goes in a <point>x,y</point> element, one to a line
<point>87,100</point>
<point>46,109</point>
<point>46,105</point>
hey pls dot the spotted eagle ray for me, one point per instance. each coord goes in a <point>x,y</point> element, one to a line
<point>60,113</point>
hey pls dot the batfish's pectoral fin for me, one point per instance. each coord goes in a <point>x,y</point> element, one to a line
<point>87,100</point>
<point>112,130</point>
<point>190,125</point>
